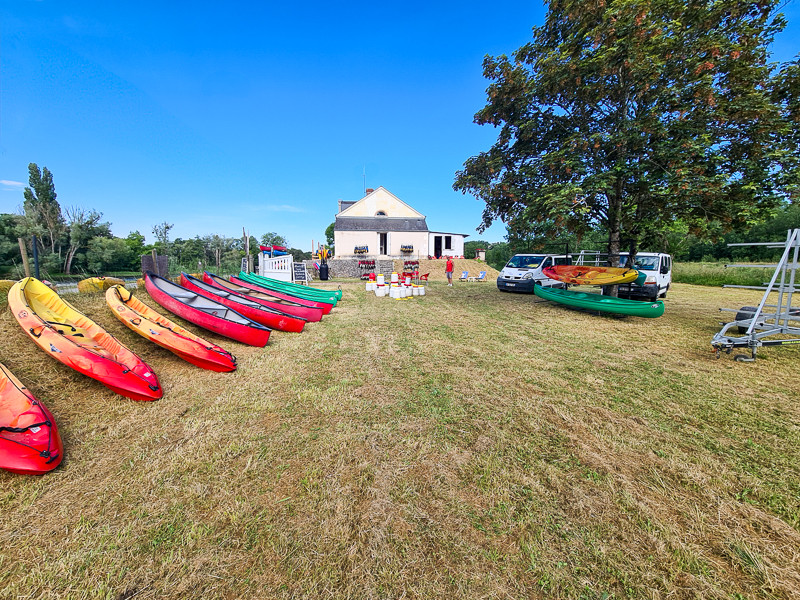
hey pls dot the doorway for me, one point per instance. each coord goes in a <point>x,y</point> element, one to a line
<point>383,239</point>
<point>437,246</point>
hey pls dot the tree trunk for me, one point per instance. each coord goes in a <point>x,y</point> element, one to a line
<point>68,263</point>
<point>614,228</point>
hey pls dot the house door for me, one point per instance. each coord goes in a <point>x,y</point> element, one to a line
<point>383,243</point>
<point>437,246</point>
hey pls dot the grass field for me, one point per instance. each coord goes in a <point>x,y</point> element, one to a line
<point>467,444</point>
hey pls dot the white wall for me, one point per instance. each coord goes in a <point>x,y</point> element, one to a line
<point>456,244</point>
<point>346,241</point>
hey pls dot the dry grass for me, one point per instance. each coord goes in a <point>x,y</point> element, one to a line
<point>468,444</point>
<point>437,273</point>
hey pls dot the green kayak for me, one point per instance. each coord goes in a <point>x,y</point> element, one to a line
<point>600,303</point>
<point>302,291</point>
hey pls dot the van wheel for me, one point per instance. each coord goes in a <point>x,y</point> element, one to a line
<point>664,294</point>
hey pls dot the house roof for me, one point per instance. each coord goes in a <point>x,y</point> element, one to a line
<point>379,224</point>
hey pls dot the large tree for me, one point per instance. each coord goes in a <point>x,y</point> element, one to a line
<point>627,115</point>
<point>83,226</point>
<point>41,207</point>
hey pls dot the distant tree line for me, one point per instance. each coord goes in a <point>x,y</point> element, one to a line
<point>678,241</point>
<point>75,241</point>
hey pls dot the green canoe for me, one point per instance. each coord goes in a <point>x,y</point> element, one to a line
<point>302,291</point>
<point>600,303</point>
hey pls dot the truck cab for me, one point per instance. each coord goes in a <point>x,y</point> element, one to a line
<point>523,271</point>
<point>656,266</point>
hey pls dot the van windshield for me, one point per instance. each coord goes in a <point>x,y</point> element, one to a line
<point>645,263</point>
<point>525,262</point>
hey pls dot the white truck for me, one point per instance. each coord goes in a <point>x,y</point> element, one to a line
<point>658,268</point>
<point>523,271</point>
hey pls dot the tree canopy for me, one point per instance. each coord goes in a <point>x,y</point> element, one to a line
<point>632,115</point>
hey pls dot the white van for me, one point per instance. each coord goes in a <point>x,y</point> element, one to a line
<point>524,271</point>
<point>658,268</point>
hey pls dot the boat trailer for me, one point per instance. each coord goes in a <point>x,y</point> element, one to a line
<point>757,323</point>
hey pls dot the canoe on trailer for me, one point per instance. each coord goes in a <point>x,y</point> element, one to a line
<point>75,340</point>
<point>248,307</point>
<point>302,291</point>
<point>259,291</point>
<point>302,309</point>
<point>590,275</point>
<point>29,440</point>
<point>205,312</point>
<point>158,329</point>
<point>608,304</point>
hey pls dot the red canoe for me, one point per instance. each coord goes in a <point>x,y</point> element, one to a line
<point>246,306</point>
<point>29,440</point>
<point>205,312</point>
<point>325,306</point>
<point>309,313</point>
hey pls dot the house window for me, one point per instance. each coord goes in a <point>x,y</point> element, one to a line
<point>380,213</point>
<point>448,242</point>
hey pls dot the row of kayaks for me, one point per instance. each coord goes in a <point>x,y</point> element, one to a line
<point>597,276</point>
<point>244,308</point>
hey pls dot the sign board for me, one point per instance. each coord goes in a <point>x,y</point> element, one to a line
<point>300,271</point>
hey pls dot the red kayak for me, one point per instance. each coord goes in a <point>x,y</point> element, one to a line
<point>325,306</point>
<point>309,313</point>
<point>29,440</point>
<point>246,306</point>
<point>205,312</point>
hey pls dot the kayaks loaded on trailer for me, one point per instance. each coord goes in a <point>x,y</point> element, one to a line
<point>75,340</point>
<point>600,303</point>
<point>248,307</point>
<point>167,334</point>
<point>258,291</point>
<point>205,312</point>
<point>29,440</point>
<point>590,275</point>
<point>332,296</point>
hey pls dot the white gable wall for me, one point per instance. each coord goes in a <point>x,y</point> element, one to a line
<point>381,200</point>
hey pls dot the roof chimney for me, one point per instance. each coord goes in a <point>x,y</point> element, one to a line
<point>369,191</point>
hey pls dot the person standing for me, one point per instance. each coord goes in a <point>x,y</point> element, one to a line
<point>448,269</point>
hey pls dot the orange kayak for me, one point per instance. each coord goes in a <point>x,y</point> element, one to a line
<point>590,275</point>
<point>75,340</point>
<point>29,440</point>
<point>158,329</point>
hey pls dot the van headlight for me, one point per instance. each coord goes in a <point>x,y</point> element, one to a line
<point>650,279</point>
<point>528,276</point>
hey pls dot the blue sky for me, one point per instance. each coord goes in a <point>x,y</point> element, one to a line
<point>217,116</point>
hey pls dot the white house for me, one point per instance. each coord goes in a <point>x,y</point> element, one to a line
<point>381,225</point>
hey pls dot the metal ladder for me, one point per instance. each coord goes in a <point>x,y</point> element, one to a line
<point>767,319</point>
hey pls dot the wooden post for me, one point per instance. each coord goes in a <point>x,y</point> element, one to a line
<point>24,254</point>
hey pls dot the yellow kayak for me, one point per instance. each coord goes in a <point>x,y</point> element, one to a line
<point>590,275</point>
<point>98,284</point>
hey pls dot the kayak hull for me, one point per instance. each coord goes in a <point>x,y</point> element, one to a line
<point>590,275</point>
<point>205,312</point>
<point>29,440</point>
<point>249,308</point>
<point>78,342</point>
<point>294,289</point>
<point>325,307</point>
<point>158,329</point>
<point>600,303</point>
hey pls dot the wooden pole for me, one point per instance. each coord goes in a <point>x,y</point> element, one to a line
<point>24,254</point>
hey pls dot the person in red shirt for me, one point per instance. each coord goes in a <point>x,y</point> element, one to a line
<point>448,269</point>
